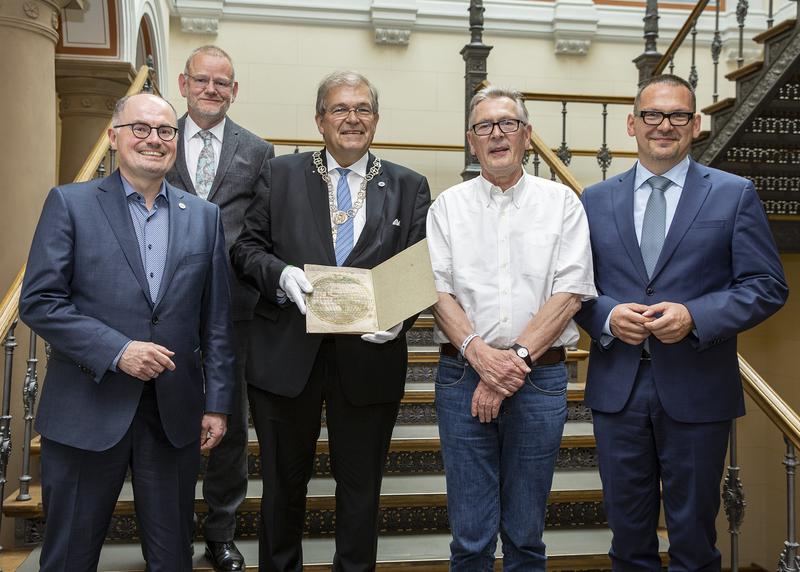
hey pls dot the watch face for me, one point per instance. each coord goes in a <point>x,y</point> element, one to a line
<point>522,352</point>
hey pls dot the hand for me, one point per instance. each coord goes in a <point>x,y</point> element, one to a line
<point>674,323</point>
<point>212,430</point>
<point>628,323</point>
<point>145,360</point>
<point>485,403</point>
<point>383,336</point>
<point>501,370</point>
<point>293,281</point>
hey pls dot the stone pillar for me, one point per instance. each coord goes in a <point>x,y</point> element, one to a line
<point>87,91</point>
<point>28,34</point>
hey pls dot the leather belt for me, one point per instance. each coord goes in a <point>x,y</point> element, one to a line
<point>550,357</point>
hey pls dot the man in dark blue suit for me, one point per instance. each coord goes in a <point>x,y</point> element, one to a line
<point>684,261</point>
<point>127,280</point>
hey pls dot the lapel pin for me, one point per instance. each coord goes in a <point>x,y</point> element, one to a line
<point>396,222</point>
<point>181,206</point>
<point>381,184</point>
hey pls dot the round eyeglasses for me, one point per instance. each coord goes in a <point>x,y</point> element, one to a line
<point>485,128</point>
<point>676,118</point>
<point>142,130</point>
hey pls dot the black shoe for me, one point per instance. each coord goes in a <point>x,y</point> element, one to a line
<point>224,556</point>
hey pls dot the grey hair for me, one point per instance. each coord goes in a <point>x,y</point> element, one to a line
<point>348,78</point>
<point>667,79</point>
<point>119,108</point>
<point>495,92</point>
<point>209,50</point>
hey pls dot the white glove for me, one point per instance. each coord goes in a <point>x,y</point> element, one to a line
<point>293,281</point>
<point>383,336</point>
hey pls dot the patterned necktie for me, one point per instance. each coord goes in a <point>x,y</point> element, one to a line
<point>344,236</point>
<point>205,166</point>
<point>654,223</point>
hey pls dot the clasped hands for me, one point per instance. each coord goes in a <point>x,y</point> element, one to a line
<point>502,373</point>
<point>293,281</point>
<point>632,323</point>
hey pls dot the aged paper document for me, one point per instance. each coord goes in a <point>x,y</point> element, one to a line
<point>358,301</point>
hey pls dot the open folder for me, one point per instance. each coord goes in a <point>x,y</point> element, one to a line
<point>357,301</point>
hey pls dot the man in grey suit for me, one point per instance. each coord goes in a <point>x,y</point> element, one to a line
<point>221,162</point>
<point>127,281</point>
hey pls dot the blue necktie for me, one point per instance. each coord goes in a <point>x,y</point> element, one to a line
<point>205,166</point>
<point>344,236</point>
<point>654,223</point>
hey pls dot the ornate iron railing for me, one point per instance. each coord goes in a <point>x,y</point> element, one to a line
<point>99,161</point>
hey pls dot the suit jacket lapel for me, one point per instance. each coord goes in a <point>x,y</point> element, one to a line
<point>695,191</point>
<point>317,193</point>
<point>623,214</point>
<point>178,235</point>
<point>377,189</point>
<point>230,141</point>
<point>115,206</point>
<point>180,160</point>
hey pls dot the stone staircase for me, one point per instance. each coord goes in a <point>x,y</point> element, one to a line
<point>414,530</point>
<point>756,134</point>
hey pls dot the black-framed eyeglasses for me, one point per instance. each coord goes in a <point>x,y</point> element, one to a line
<point>341,111</point>
<point>676,118</point>
<point>485,128</point>
<point>142,130</point>
<point>202,82</point>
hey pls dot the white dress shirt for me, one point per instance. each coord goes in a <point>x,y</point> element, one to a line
<point>504,254</point>
<point>358,172</point>
<point>193,144</point>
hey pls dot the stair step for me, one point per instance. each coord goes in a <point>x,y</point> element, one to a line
<point>774,31</point>
<point>719,106</point>
<point>744,71</point>
<point>566,550</point>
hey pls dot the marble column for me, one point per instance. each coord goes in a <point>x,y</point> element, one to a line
<point>87,92</point>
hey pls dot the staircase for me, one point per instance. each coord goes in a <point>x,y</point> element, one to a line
<point>757,133</point>
<point>414,530</point>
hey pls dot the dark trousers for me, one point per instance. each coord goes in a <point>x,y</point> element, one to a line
<point>359,437</point>
<point>641,447</point>
<point>80,489</point>
<point>225,480</point>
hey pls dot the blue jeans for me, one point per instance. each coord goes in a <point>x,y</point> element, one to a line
<point>499,474</point>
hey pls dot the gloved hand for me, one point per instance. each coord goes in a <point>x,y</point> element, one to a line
<point>383,336</point>
<point>293,281</point>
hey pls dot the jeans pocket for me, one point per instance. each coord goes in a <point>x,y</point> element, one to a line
<point>548,380</point>
<point>451,372</point>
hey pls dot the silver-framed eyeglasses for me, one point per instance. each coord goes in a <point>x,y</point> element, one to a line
<point>342,111</point>
<point>202,82</point>
<point>676,118</point>
<point>485,128</point>
<point>142,130</point>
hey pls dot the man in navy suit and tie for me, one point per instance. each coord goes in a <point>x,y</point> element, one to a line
<point>127,280</point>
<point>684,261</point>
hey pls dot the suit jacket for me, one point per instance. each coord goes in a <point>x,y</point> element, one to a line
<point>290,224</point>
<point>237,180</point>
<point>86,293</point>
<point>718,259</point>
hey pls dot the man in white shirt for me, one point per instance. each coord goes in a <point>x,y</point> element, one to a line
<point>222,162</point>
<point>512,262</point>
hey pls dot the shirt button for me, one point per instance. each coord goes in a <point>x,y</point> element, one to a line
<point>152,275</point>
<point>149,247</point>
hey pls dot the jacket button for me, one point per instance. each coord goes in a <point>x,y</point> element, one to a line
<point>649,291</point>
<point>154,321</point>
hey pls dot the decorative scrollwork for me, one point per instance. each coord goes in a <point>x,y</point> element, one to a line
<point>563,152</point>
<point>604,158</point>
<point>733,499</point>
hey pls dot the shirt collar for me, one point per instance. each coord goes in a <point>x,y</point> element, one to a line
<point>190,129</point>
<point>676,174</point>
<point>130,191</point>
<point>359,167</point>
<point>489,191</point>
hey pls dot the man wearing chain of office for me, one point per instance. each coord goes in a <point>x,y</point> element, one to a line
<point>341,206</point>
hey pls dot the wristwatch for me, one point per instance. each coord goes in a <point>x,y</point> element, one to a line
<point>523,353</point>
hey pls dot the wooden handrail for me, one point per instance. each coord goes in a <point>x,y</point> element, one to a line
<point>682,33</point>
<point>9,307</point>
<point>782,416</point>
<point>552,160</point>
<point>576,98</point>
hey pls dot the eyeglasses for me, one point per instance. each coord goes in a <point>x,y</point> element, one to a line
<point>676,118</point>
<point>202,82</point>
<point>340,112</point>
<point>142,130</point>
<point>485,128</point>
